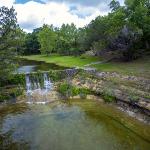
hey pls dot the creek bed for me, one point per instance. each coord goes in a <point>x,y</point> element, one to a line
<point>70,125</point>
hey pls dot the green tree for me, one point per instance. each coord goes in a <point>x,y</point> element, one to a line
<point>138,14</point>
<point>32,45</point>
<point>67,39</point>
<point>114,5</point>
<point>8,42</point>
<point>47,39</point>
<point>20,42</point>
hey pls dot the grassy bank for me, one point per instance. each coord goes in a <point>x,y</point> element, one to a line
<point>140,67</point>
<point>67,61</point>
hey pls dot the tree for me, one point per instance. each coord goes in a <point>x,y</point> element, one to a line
<point>21,36</point>
<point>114,5</point>
<point>138,12</point>
<point>8,42</point>
<point>67,40</point>
<point>32,45</point>
<point>47,39</point>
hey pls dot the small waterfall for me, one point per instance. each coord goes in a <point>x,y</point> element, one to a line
<point>28,84</point>
<point>37,88</point>
<point>47,83</point>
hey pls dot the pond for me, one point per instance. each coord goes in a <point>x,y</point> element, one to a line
<point>70,125</point>
<point>33,66</point>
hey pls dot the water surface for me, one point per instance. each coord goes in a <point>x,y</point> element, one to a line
<point>33,66</point>
<point>71,125</point>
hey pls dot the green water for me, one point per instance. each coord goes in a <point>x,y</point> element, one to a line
<point>71,125</point>
<point>33,66</point>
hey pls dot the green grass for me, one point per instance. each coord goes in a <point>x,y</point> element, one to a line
<point>67,61</point>
<point>140,67</point>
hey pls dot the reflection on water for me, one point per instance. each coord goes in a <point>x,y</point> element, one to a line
<point>31,66</point>
<point>76,125</point>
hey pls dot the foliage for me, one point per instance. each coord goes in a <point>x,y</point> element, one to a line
<point>47,39</point>
<point>32,45</point>
<point>83,92</point>
<point>109,98</point>
<point>114,5</point>
<point>67,40</point>
<point>69,90</point>
<point>134,98</point>
<point>12,92</point>
<point>124,32</point>
<point>9,40</point>
<point>56,75</point>
<point>64,89</point>
<point>108,95</point>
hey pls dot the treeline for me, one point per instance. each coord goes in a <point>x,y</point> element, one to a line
<point>124,32</point>
<point>65,40</point>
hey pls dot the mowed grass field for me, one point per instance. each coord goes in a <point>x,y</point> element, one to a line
<point>67,61</point>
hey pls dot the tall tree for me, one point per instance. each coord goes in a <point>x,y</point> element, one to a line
<point>47,39</point>
<point>8,42</point>
<point>67,39</point>
<point>114,5</point>
<point>138,13</point>
<point>32,45</point>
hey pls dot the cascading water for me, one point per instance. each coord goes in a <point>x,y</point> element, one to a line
<point>37,88</point>
<point>47,83</point>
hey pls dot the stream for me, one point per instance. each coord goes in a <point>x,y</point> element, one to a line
<point>33,66</point>
<point>72,125</point>
<point>67,125</point>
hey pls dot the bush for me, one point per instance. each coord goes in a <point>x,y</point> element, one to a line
<point>69,90</point>
<point>64,89</point>
<point>108,95</point>
<point>109,98</point>
<point>56,75</point>
<point>83,93</point>
<point>7,94</point>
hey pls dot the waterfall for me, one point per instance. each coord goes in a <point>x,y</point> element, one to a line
<point>47,83</point>
<point>37,87</point>
<point>28,84</point>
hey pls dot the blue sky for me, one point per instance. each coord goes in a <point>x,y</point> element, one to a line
<point>34,13</point>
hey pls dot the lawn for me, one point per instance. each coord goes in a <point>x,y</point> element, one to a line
<point>140,67</point>
<point>67,61</point>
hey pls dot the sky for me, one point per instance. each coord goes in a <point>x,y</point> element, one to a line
<point>32,14</point>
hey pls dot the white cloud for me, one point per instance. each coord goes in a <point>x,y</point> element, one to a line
<point>7,3</point>
<point>33,14</point>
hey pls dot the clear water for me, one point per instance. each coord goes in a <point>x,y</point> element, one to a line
<point>33,66</point>
<point>71,125</point>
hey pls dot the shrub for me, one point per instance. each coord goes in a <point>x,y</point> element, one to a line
<point>7,94</point>
<point>108,95</point>
<point>64,89</point>
<point>69,90</point>
<point>109,98</point>
<point>83,93</point>
<point>134,98</point>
